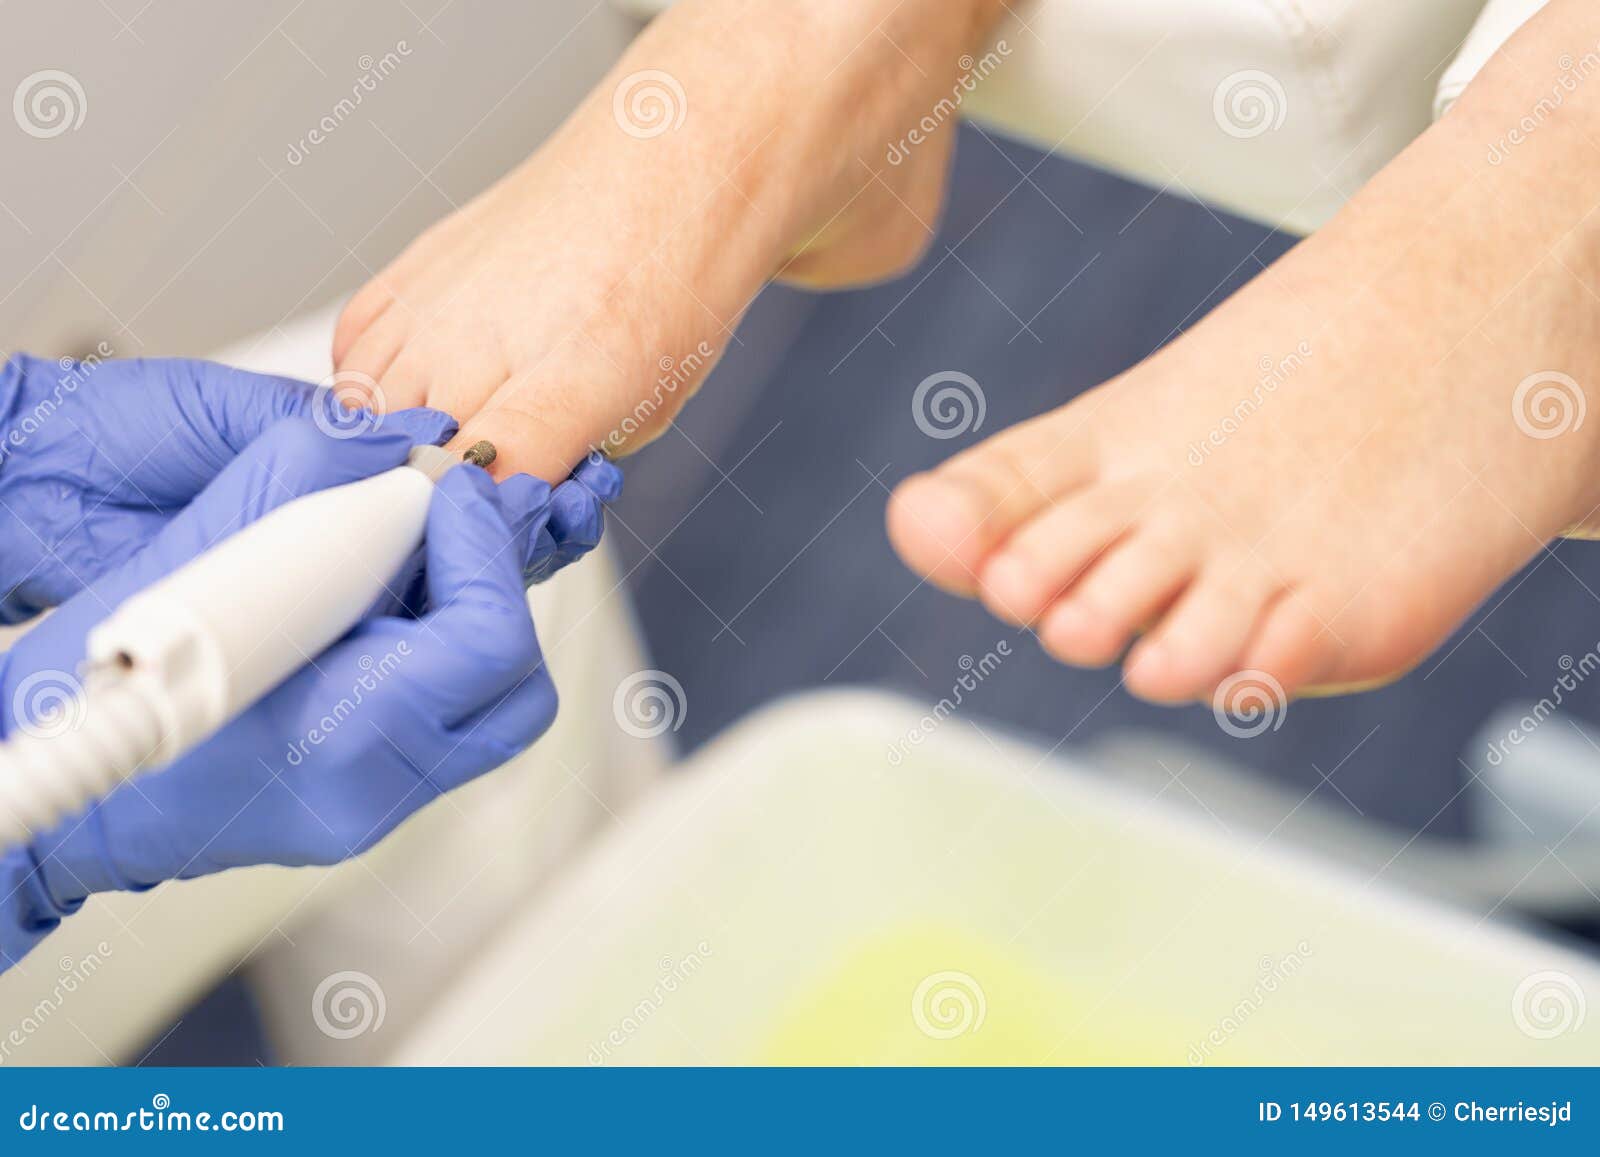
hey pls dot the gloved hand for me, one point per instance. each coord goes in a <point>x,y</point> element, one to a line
<point>399,711</point>
<point>97,456</point>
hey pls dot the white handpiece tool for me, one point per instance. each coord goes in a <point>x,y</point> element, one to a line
<point>187,654</point>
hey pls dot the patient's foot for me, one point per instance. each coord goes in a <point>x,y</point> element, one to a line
<point>1320,481</point>
<point>580,301</point>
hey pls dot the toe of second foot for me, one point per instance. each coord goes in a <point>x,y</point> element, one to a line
<point>935,525</point>
<point>1075,633</point>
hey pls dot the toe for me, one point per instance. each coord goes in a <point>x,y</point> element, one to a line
<point>933,525</point>
<point>358,316</point>
<point>1075,633</point>
<point>1092,623</point>
<point>371,355</point>
<point>1026,573</point>
<point>946,523</point>
<point>526,441</point>
<point>1292,644</point>
<point>1200,640</point>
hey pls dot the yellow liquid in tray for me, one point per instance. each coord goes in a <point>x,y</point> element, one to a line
<point>939,996</point>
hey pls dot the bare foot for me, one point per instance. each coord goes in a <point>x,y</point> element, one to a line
<point>580,301</point>
<point>1323,478</point>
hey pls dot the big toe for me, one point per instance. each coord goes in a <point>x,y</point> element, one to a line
<point>947,523</point>
<point>936,525</point>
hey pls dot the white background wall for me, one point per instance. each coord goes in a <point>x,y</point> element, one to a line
<point>170,220</point>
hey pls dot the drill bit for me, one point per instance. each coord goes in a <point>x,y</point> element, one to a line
<point>481,454</point>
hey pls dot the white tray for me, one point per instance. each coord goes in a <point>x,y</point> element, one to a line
<point>793,896</point>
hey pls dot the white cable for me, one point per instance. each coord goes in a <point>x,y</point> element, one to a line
<point>47,776</point>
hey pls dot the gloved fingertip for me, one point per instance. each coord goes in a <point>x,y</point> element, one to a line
<point>539,554</point>
<point>469,485</point>
<point>469,542</point>
<point>575,512</point>
<point>522,495</point>
<point>525,505</point>
<point>424,425</point>
<point>599,475</point>
<point>475,587</point>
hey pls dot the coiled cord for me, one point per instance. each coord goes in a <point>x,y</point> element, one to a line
<point>46,776</point>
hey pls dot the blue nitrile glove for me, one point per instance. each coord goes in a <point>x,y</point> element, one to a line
<point>399,711</point>
<point>97,456</point>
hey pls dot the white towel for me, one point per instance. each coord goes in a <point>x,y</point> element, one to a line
<point>1276,109</point>
<point>1500,20</point>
